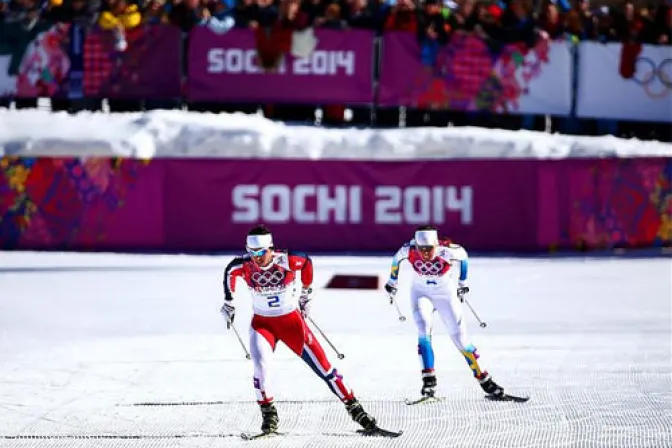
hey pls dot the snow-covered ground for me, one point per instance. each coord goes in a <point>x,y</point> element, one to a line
<point>190,134</point>
<point>106,350</point>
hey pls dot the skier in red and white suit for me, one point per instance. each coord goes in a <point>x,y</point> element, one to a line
<point>280,301</point>
<point>439,283</point>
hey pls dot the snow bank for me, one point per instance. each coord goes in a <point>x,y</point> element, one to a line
<point>189,134</point>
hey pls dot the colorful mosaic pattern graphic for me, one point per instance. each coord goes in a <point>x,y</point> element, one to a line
<point>34,65</point>
<point>622,203</point>
<point>57,203</point>
<point>469,74</point>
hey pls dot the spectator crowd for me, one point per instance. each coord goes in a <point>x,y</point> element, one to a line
<point>504,20</point>
<point>499,21</point>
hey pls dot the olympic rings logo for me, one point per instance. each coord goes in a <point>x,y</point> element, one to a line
<point>655,80</point>
<point>428,267</point>
<point>268,278</point>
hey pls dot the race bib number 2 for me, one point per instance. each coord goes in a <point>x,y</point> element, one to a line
<point>273,301</point>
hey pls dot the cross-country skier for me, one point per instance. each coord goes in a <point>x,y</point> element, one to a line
<point>280,284</point>
<point>439,283</point>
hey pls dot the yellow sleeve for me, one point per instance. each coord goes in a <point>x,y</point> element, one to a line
<point>131,17</point>
<point>107,20</point>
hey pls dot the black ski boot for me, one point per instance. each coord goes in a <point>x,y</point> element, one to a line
<point>270,418</point>
<point>428,386</point>
<point>359,415</point>
<point>490,387</point>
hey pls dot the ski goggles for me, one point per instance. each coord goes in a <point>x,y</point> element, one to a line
<point>425,248</point>
<point>257,252</point>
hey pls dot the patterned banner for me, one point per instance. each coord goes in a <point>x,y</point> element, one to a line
<point>91,203</point>
<point>471,74</point>
<point>334,67</point>
<point>149,68</point>
<point>603,204</point>
<point>625,82</point>
<point>531,206</point>
<point>34,62</point>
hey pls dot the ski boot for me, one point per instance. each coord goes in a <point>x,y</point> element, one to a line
<point>490,387</point>
<point>359,415</point>
<point>428,386</point>
<point>269,417</point>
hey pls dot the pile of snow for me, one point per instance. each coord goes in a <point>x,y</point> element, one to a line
<point>189,134</point>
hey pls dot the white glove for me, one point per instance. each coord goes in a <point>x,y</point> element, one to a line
<point>229,311</point>
<point>305,299</point>
<point>391,289</point>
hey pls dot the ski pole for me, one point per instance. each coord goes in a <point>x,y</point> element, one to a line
<point>481,323</point>
<point>402,318</point>
<point>242,344</point>
<point>339,354</point>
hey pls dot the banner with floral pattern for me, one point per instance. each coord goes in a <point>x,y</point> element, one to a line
<point>71,203</point>
<point>472,74</point>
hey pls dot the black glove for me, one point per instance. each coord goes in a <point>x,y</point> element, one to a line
<point>391,290</point>
<point>461,291</point>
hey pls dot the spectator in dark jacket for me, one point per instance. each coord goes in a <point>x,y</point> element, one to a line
<point>332,18</point>
<point>359,15</point>
<point>186,14</point>
<point>80,12</point>
<point>245,13</point>
<point>518,24</point>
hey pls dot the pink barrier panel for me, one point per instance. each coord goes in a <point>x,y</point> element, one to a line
<point>69,203</point>
<point>333,205</point>
<point>226,67</point>
<point>362,206</point>
<point>148,69</point>
<point>617,202</point>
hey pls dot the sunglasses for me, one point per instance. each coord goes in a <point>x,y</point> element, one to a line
<point>257,252</point>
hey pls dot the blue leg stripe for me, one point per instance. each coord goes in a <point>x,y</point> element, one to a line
<point>426,353</point>
<point>312,365</point>
<point>326,379</point>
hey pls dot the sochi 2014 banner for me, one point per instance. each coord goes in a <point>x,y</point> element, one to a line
<point>324,66</point>
<point>471,74</point>
<point>355,206</point>
<point>625,82</point>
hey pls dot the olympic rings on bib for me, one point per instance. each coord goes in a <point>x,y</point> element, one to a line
<point>268,278</point>
<point>429,267</point>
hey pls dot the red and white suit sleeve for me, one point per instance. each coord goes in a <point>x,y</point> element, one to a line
<point>300,261</point>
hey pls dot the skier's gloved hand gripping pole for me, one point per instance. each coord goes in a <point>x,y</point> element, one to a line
<point>391,290</point>
<point>229,312</point>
